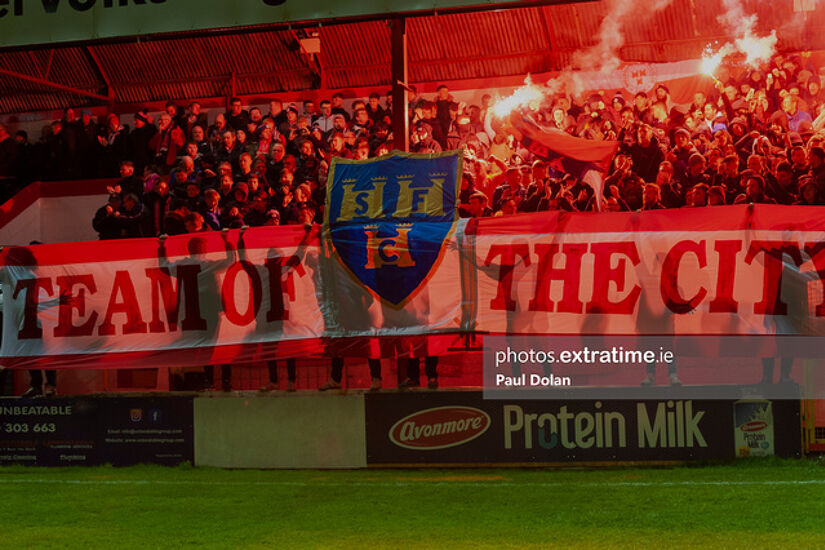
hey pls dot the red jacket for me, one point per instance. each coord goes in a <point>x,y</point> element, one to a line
<point>171,140</point>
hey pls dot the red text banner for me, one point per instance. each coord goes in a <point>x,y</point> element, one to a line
<point>734,270</point>
<point>208,298</point>
<point>278,292</point>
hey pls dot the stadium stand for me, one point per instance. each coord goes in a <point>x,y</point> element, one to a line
<point>754,136</point>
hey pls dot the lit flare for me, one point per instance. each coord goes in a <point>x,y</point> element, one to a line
<point>711,60</point>
<point>756,49</point>
<point>529,96</point>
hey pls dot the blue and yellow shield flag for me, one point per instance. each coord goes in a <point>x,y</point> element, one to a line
<point>387,219</point>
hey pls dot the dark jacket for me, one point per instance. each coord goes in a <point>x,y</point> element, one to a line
<point>140,153</point>
<point>107,225</point>
<point>155,210</point>
<point>132,184</point>
<point>174,224</point>
<point>131,221</point>
<point>254,218</point>
<point>117,149</point>
<point>237,122</point>
<point>646,160</point>
<point>231,156</point>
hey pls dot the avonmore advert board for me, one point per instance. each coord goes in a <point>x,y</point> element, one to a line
<point>93,430</point>
<point>439,428</point>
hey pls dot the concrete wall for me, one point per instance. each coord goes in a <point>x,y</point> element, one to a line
<point>69,219</point>
<point>23,228</point>
<point>280,432</point>
<point>54,220</point>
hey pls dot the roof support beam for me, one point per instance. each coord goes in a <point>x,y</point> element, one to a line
<point>457,60</point>
<point>398,50</point>
<point>110,91</point>
<point>219,77</point>
<point>54,85</point>
<point>310,63</point>
<point>547,19</point>
<point>320,60</point>
<point>49,64</point>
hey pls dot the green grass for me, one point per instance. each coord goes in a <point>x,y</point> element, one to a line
<point>750,504</point>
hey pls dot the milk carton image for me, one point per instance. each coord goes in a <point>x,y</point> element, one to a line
<point>753,428</point>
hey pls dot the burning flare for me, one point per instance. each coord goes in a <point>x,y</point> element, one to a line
<point>711,60</point>
<point>756,49</point>
<point>529,96</point>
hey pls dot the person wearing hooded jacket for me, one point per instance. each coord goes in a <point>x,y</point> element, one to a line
<point>754,190</point>
<point>680,154</point>
<point>175,221</point>
<point>422,140</point>
<point>646,154</point>
<point>239,198</point>
<point>742,139</point>
<point>107,218</point>
<point>807,193</point>
<point>131,217</point>
<point>776,129</point>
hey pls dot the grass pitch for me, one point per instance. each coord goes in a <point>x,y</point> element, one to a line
<point>751,504</point>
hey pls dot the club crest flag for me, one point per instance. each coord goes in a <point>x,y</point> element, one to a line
<point>388,219</point>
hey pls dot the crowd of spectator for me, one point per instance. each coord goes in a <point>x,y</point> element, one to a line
<point>755,135</point>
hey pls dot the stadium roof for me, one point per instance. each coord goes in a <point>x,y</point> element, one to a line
<point>442,48</point>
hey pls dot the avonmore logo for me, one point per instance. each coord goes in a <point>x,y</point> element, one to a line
<point>439,428</point>
<point>753,426</point>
